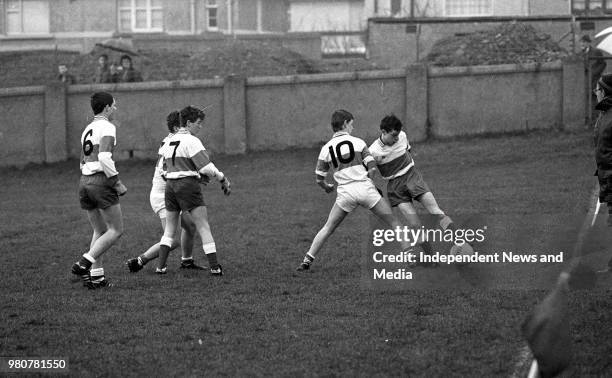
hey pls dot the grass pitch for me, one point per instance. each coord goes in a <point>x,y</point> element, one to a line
<point>262,318</point>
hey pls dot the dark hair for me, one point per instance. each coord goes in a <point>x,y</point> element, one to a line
<point>586,38</point>
<point>605,82</point>
<point>391,123</point>
<point>338,119</point>
<point>173,120</point>
<point>103,56</point>
<point>125,56</point>
<point>101,100</point>
<point>191,113</point>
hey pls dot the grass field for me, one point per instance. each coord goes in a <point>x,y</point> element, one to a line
<point>262,317</point>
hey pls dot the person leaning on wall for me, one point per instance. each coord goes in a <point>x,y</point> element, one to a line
<point>594,61</point>
<point>63,75</point>
<point>125,72</point>
<point>103,72</point>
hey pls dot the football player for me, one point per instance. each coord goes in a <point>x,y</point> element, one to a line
<point>185,160</point>
<point>391,151</point>
<point>99,190</point>
<point>347,157</point>
<point>156,197</point>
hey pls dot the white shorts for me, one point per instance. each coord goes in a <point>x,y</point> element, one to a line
<point>158,202</point>
<point>360,193</point>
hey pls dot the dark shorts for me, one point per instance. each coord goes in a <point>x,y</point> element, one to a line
<point>96,192</point>
<point>605,185</point>
<point>183,194</point>
<point>406,187</point>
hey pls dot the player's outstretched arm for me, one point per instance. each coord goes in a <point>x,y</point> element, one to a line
<point>226,186</point>
<point>211,170</point>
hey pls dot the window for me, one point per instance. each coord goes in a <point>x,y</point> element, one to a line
<point>212,21</point>
<point>27,17</point>
<point>339,44</point>
<point>467,8</point>
<point>593,7</point>
<point>141,15</point>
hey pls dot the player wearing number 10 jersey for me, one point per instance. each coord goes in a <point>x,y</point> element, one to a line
<point>99,190</point>
<point>348,157</point>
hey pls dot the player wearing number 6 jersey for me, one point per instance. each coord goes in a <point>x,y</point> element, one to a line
<point>346,156</point>
<point>185,161</point>
<point>99,190</point>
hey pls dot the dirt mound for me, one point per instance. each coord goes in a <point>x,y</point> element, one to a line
<point>247,58</point>
<point>508,43</point>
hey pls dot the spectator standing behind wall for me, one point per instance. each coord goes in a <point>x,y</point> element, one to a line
<point>103,72</point>
<point>594,61</point>
<point>64,76</point>
<point>126,72</point>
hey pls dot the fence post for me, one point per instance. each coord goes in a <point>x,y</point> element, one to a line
<point>574,94</point>
<point>234,114</point>
<point>417,112</point>
<point>55,123</point>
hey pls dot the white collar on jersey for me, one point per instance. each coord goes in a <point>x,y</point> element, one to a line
<point>182,131</point>
<point>338,133</point>
<point>100,117</point>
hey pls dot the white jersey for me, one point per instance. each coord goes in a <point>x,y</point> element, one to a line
<point>184,155</point>
<point>90,142</point>
<point>347,156</point>
<point>395,160</point>
<point>159,184</point>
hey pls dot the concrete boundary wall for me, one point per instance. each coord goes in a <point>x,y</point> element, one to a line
<point>44,124</point>
<point>496,99</point>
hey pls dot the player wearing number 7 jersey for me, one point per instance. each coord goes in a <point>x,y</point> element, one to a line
<point>185,162</point>
<point>99,190</point>
<point>347,156</point>
<point>184,234</point>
